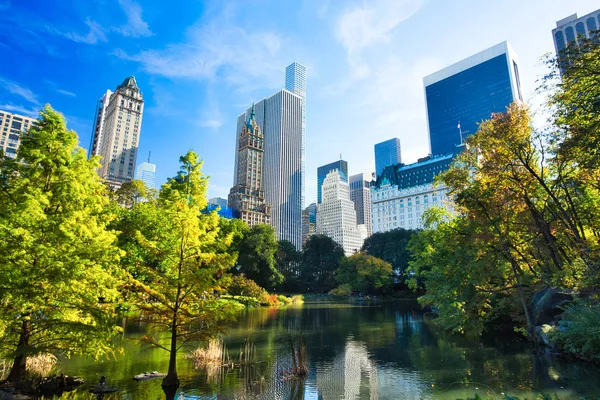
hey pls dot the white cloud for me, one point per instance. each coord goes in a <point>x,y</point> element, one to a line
<point>371,23</point>
<point>18,90</point>
<point>136,26</point>
<point>95,34</point>
<point>32,112</point>
<point>66,92</point>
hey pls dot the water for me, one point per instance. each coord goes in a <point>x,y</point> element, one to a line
<point>374,352</point>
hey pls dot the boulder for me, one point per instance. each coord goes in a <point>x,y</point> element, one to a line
<point>547,305</point>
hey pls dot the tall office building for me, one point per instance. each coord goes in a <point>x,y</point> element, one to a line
<point>146,172</point>
<point>117,132</point>
<point>96,141</point>
<point>360,194</point>
<point>340,166</point>
<point>281,119</point>
<point>460,96</point>
<point>309,221</point>
<point>12,127</point>
<point>247,197</point>
<point>387,153</point>
<point>571,29</point>
<point>336,217</point>
<point>295,82</point>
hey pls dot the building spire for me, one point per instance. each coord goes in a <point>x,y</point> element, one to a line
<point>252,119</point>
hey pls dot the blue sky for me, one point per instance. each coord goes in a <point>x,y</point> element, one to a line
<point>200,64</point>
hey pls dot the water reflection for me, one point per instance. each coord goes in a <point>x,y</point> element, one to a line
<point>355,352</point>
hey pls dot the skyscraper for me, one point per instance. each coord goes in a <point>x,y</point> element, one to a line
<point>247,197</point>
<point>340,166</point>
<point>336,217</point>
<point>117,132</point>
<point>360,194</point>
<point>460,96</point>
<point>12,127</point>
<point>146,172</point>
<point>309,221</point>
<point>569,30</point>
<point>387,153</point>
<point>295,82</point>
<point>96,141</point>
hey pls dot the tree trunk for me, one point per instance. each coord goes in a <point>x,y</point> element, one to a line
<point>18,370</point>
<point>171,380</point>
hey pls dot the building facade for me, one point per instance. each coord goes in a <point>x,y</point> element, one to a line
<point>96,141</point>
<point>295,82</point>
<point>570,30</point>
<point>336,217</point>
<point>460,96</point>
<point>13,126</point>
<point>309,222</point>
<point>387,153</point>
<point>402,193</point>
<point>146,172</point>
<point>247,197</point>
<point>281,119</point>
<point>218,201</point>
<point>360,194</point>
<point>119,135</point>
<point>340,166</point>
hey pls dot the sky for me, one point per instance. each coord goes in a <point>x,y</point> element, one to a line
<point>201,64</point>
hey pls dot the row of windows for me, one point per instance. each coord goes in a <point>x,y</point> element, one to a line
<point>572,33</point>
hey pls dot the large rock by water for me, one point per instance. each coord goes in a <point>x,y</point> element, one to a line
<point>547,305</point>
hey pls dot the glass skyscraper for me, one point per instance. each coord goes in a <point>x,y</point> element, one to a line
<point>341,166</point>
<point>146,172</point>
<point>387,153</point>
<point>460,96</point>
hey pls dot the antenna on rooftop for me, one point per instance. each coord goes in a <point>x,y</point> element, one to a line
<point>149,154</point>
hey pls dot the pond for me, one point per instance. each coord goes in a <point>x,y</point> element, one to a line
<point>355,351</point>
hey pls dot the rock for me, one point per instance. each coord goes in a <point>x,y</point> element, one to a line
<point>541,335</point>
<point>149,375</point>
<point>546,306</point>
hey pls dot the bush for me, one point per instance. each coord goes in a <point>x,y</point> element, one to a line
<point>579,331</point>
<point>284,300</point>
<point>297,299</point>
<point>342,290</point>
<point>242,286</point>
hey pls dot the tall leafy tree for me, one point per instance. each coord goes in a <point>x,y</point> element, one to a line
<point>365,273</point>
<point>186,266</point>
<point>288,259</point>
<point>321,257</point>
<point>256,258</point>
<point>58,261</point>
<point>390,246</point>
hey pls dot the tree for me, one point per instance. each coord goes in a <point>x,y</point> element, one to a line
<point>321,256</point>
<point>365,274</point>
<point>390,246</point>
<point>133,192</point>
<point>288,258</point>
<point>186,268</point>
<point>58,261</point>
<point>256,257</point>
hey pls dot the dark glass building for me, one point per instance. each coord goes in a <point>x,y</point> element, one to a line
<point>341,166</point>
<point>462,95</point>
<point>423,172</point>
<point>387,153</point>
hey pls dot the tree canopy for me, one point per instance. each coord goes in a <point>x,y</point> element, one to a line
<point>321,256</point>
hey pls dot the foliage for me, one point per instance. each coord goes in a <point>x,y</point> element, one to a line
<point>288,259</point>
<point>579,331</point>
<point>390,246</point>
<point>343,290</point>
<point>58,260</point>
<point>133,192</point>
<point>178,286</point>
<point>321,257</point>
<point>242,286</point>
<point>365,274</point>
<point>256,259</point>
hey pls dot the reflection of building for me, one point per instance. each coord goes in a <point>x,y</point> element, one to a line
<point>12,127</point>
<point>336,217</point>
<point>402,193</point>
<point>345,374</point>
<point>387,153</point>
<point>247,197</point>
<point>360,194</point>
<point>146,172</point>
<point>569,30</point>
<point>119,133</point>
<point>281,120</point>
<point>460,96</point>
<point>340,166</point>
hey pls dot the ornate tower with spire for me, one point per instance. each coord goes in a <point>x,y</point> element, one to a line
<point>247,197</point>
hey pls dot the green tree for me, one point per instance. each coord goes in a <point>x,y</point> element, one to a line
<point>365,274</point>
<point>58,261</point>
<point>390,246</point>
<point>288,259</point>
<point>321,257</point>
<point>177,290</point>
<point>133,192</point>
<point>256,258</point>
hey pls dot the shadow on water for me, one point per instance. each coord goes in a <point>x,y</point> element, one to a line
<point>355,351</point>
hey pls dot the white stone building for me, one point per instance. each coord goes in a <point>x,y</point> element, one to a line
<point>337,217</point>
<point>13,126</point>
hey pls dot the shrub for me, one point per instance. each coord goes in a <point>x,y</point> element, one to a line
<point>342,290</point>
<point>579,331</point>
<point>242,286</point>
<point>284,300</point>
<point>297,299</point>
<point>273,300</point>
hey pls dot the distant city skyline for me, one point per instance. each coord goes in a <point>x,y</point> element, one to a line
<point>365,78</point>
